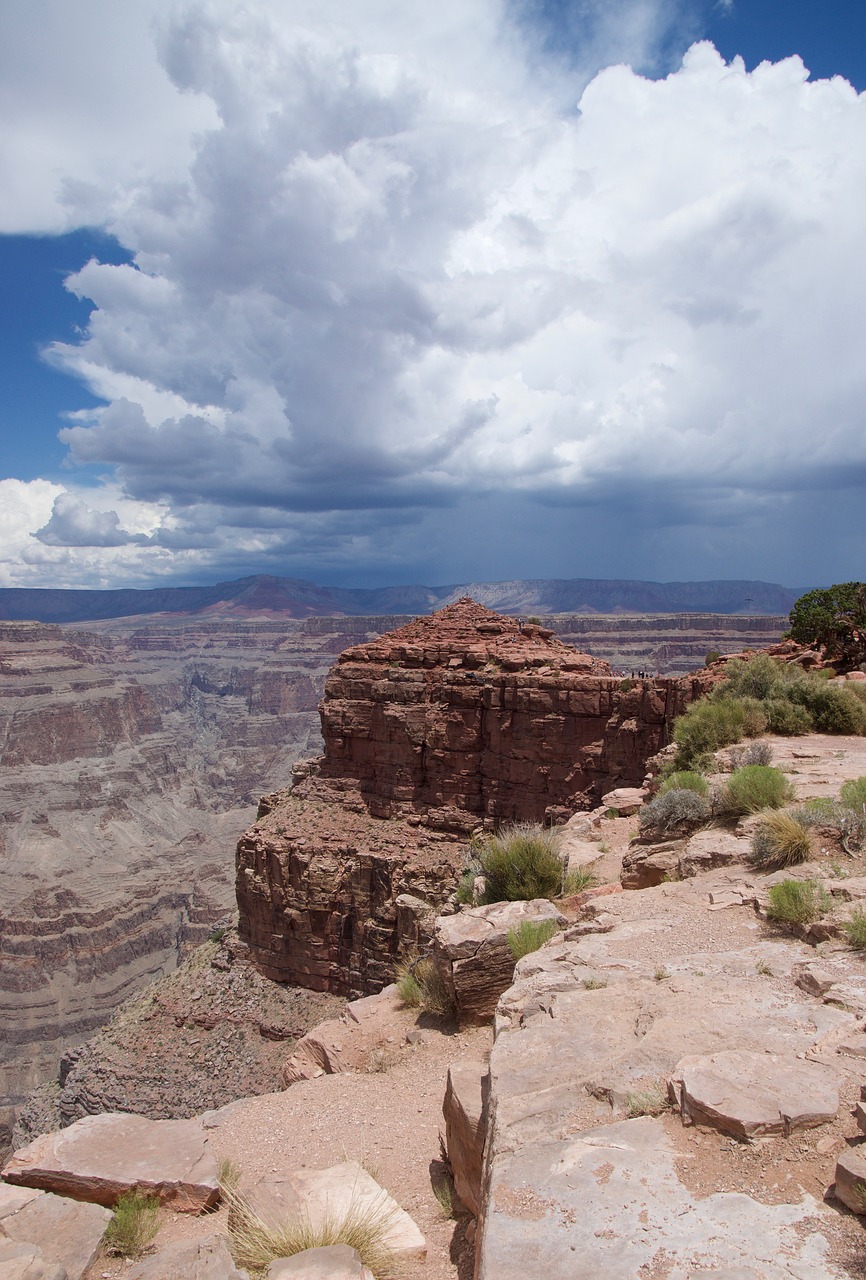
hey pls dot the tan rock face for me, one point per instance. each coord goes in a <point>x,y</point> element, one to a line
<point>461,719</point>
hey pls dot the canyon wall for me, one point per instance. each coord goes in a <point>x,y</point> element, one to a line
<point>129,764</point>
<point>463,720</point>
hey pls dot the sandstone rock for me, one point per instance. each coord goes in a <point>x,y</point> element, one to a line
<point>320,1195</point>
<point>471,951</point>
<point>647,865</point>
<point>347,1043</point>
<point>19,1261</point>
<point>207,1259</point>
<point>626,800</point>
<point>334,1262</point>
<point>99,1158</point>
<point>851,1178</point>
<point>712,848</point>
<point>609,1202</point>
<point>464,1109</point>
<point>66,1233</point>
<point>749,1094</point>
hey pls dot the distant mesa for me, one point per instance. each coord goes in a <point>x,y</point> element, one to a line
<point>274,597</point>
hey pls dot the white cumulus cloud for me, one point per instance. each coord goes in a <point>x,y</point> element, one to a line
<point>401,267</point>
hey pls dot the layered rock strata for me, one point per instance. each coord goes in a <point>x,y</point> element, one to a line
<point>461,720</point>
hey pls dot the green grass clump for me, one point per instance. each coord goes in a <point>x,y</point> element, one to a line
<point>529,935</point>
<point>520,863</point>
<point>420,985</point>
<point>753,788</point>
<point>797,902</point>
<point>578,879</point>
<point>133,1226</point>
<point>854,929</point>
<point>364,1226</point>
<point>685,780</point>
<point>781,840</point>
<point>853,793</point>
<point>465,892</point>
<point>678,810</point>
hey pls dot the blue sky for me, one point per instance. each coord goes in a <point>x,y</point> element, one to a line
<point>501,290</point>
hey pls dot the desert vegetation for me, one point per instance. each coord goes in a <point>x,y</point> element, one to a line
<point>529,935</point>
<point>781,840</point>
<point>797,902</point>
<point>133,1226</point>
<point>420,985</point>
<point>519,863</point>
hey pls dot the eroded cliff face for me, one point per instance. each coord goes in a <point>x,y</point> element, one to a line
<point>461,720</point>
<point>130,761</point>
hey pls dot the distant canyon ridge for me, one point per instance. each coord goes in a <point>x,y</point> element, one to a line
<point>134,747</point>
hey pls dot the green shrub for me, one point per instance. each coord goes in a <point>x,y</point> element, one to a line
<point>753,679</point>
<point>832,710</point>
<point>465,892</point>
<point>713,655</point>
<point>712,723</point>
<point>781,840</point>
<point>680,809</point>
<point>133,1226</point>
<point>797,902</point>
<point>520,863</point>
<point>529,936</point>
<point>854,929</point>
<point>421,986</point>
<point>853,793</point>
<point>685,780</point>
<point>787,719</point>
<point>577,880</point>
<point>753,788</point>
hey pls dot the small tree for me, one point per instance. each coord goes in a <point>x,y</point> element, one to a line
<point>834,618</point>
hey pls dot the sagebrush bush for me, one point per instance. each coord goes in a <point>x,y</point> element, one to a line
<point>787,719</point>
<point>521,862</point>
<point>853,793</point>
<point>797,902</point>
<point>753,679</point>
<point>832,710</point>
<point>780,840</point>
<point>712,723</point>
<point>753,788</point>
<point>133,1226</point>
<point>685,780</point>
<point>421,986</point>
<point>529,935</point>
<point>854,929</point>
<point>678,810</point>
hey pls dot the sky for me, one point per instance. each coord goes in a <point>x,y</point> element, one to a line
<point>375,292</point>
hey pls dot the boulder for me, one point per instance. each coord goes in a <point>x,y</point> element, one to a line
<point>334,1262</point>
<point>465,1112</point>
<point>851,1178</point>
<point>472,953</point>
<point>346,1043</point>
<point>328,1195</point>
<point>749,1094</point>
<point>207,1259</point>
<point>626,800</point>
<point>646,865</point>
<point>100,1157</point>
<point>712,848</point>
<point>66,1232</point>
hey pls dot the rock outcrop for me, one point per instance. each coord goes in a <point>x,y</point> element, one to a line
<point>460,720</point>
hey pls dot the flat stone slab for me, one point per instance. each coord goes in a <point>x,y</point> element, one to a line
<point>328,1195</point>
<point>335,1262</point>
<point>100,1157</point>
<point>610,1204</point>
<point>749,1094</point>
<point>19,1261</point>
<point>66,1232</point>
<point>207,1259</point>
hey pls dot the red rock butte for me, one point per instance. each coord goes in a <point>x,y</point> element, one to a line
<point>458,720</point>
<point>466,716</point>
